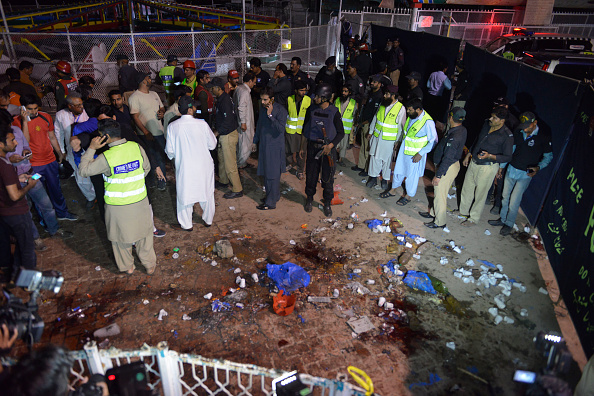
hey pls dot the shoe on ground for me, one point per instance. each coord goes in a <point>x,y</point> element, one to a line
<point>372,182</point>
<point>308,206</point>
<point>505,230</point>
<point>232,195</point>
<point>162,185</point>
<point>495,210</point>
<point>426,215</point>
<point>90,204</point>
<point>39,245</point>
<point>63,234</point>
<point>432,224</point>
<point>218,184</point>
<point>384,184</point>
<point>496,223</point>
<point>69,216</point>
<point>159,233</point>
<point>178,227</point>
<point>327,211</point>
<point>363,173</point>
<point>356,168</point>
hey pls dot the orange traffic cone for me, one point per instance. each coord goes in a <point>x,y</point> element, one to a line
<point>336,200</point>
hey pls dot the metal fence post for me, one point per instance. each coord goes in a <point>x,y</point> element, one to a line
<point>133,47</point>
<point>93,358</point>
<point>280,57</point>
<point>71,51</point>
<point>169,370</point>
<point>193,43</point>
<point>309,46</point>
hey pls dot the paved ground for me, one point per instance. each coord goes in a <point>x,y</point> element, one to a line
<point>405,353</point>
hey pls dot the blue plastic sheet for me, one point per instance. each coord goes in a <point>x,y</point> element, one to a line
<point>288,276</point>
<point>419,281</point>
<point>373,223</point>
<point>392,265</point>
<point>487,263</point>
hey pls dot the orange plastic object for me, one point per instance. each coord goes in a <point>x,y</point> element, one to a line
<point>283,305</point>
<point>336,200</point>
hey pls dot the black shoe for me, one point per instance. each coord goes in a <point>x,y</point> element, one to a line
<point>496,223</point>
<point>218,184</point>
<point>372,182</point>
<point>384,184</point>
<point>308,206</point>
<point>426,215</point>
<point>495,210</point>
<point>432,224</point>
<point>178,227</point>
<point>265,207</point>
<point>327,211</point>
<point>356,168</point>
<point>231,195</point>
<point>505,230</point>
<point>363,173</point>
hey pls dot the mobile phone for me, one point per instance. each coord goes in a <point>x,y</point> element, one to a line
<point>36,176</point>
<point>27,155</point>
<point>527,377</point>
<point>25,109</point>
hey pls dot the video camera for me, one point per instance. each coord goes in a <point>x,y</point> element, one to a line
<point>23,317</point>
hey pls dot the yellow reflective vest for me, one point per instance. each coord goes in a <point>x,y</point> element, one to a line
<point>166,74</point>
<point>347,116</point>
<point>412,143</point>
<point>386,123</point>
<point>295,120</point>
<point>126,185</point>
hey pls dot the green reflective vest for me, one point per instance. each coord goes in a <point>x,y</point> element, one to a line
<point>192,84</point>
<point>295,120</point>
<point>386,124</point>
<point>347,116</point>
<point>412,143</point>
<point>166,75</point>
<point>125,186</point>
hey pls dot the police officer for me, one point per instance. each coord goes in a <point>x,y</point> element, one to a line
<point>170,76</point>
<point>297,106</point>
<point>323,131</point>
<point>65,84</point>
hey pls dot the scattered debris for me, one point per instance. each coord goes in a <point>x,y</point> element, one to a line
<point>223,248</point>
<point>162,313</point>
<point>360,325</point>
<point>313,299</point>
<point>186,317</point>
<point>107,331</point>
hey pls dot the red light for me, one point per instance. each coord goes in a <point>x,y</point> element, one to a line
<point>545,67</point>
<point>111,377</point>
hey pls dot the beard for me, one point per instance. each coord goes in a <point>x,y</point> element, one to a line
<point>386,102</point>
<point>413,116</point>
<point>344,98</point>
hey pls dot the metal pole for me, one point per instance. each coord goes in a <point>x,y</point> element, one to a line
<point>413,19</point>
<point>337,52</point>
<point>320,16</point>
<point>9,46</point>
<point>133,46</point>
<point>243,60</point>
<point>169,370</point>
<point>71,51</point>
<point>309,47</point>
<point>193,44</point>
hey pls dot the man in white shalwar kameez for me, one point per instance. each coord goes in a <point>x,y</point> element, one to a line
<point>244,108</point>
<point>385,130</point>
<point>420,137</point>
<point>188,141</point>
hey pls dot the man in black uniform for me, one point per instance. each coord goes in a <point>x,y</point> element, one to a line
<point>414,90</point>
<point>281,86</point>
<point>329,74</point>
<point>297,74</point>
<point>369,109</point>
<point>323,131</point>
<point>355,82</point>
<point>364,63</point>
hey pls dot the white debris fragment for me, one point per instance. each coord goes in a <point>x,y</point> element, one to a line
<point>399,273</point>
<point>340,173</point>
<point>527,229</point>
<point>292,242</point>
<point>443,261</point>
<point>408,245</point>
<point>400,238</point>
<point>493,311</point>
<point>231,207</point>
<point>370,282</point>
<point>446,229</point>
<point>381,301</point>
<point>452,196</point>
<point>453,244</point>
<point>515,227</point>
<point>336,293</point>
<point>235,231</point>
<point>457,250</point>
<point>239,305</point>
<point>350,226</point>
<point>487,232</point>
<point>384,214</point>
<point>98,268</point>
<point>364,200</point>
<point>255,277</point>
<point>242,283</point>
<point>524,312</point>
<point>451,345</point>
<point>388,305</point>
<point>458,274</point>
<point>357,271</point>
<point>208,296</point>
<point>237,270</point>
<point>145,302</point>
<point>499,301</point>
<point>213,263</point>
<point>478,293</point>
<point>499,267</point>
<point>470,263</point>
<point>416,256</point>
<point>498,319</point>
<point>508,320</point>
<point>186,317</point>
<point>419,240</point>
<point>162,313</point>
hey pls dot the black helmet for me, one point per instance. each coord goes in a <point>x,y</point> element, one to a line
<point>324,91</point>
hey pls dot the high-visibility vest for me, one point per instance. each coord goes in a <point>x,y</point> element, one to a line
<point>347,116</point>
<point>69,85</point>
<point>386,124</point>
<point>412,143</point>
<point>295,120</point>
<point>166,75</point>
<point>192,84</point>
<point>126,185</point>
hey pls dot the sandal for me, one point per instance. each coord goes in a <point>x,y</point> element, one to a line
<point>402,201</point>
<point>300,176</point>
<point>386,194</point>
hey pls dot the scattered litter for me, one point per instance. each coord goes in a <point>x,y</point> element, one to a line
<point>336,293</point>
<point>98,268</point>
<point>515,227</point>
<point>520,287</point>
<point>408,245</point>
<point>388,306</point>
<point>508,320</point>
<point>417,256</point>
<point>358,288</point>
<point>487,263</point>
<point>350,226</point>
<point>457,250</point>
<point>162,313</point>
<point>381,301</point>
<point>364,200</point>
<point>175,255</point>
<point>304,226</point>
<point>419,281</point>
<point>240,305</point>
<point>288,276</point>
<point>470,262</point>
<point>242,283</point>
<point>313,299</point>
<point>543,290</point>
<point>478,293</point>
<point>231,207</point>
<point>340,173</point>
<point>446,229</point>
<point>237,270</point>
<point>255,277</point>
<point>370,282</point>
<point>235,231</point>
<point>499,301</point>
<point>487,232</point>
<point>213,263</point>
<point>360,325</point>
<point>443,261</point>
<point>218,306</point>
<point>452,196</point>
<point>108,331</point>
<point>462,217</point>
<point>145,302</point>
<point>524,312</point>
<point>498,319</point>
<point>208,296</point>
<point>223,248</point>
<point>384,214</point>
<point>451,345</point>
<point>357,271</point>
<point>355,216</point>
<point>527,230</point>
<point>186,317</point>
<point>364,181</point>
<point>493,311</point>
<point>292,242</point>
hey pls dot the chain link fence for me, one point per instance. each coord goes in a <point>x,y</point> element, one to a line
<point>217,52</point>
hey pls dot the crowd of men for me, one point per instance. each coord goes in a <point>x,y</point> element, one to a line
<point>209,128</point>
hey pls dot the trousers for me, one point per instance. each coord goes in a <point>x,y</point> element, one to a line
<point>144,250</point>
<point>313,168</point>
<point>227,151</point>
<point>19,226</point>
<point>477,181</point>
<point>440,202</point>
<point>51,181</point>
